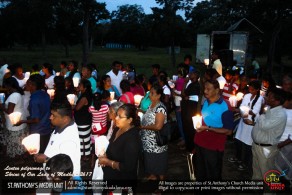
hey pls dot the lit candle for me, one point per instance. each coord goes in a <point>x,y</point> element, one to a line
<point>112,96</point>
<point>137,99</point>
<point>76,81</point>
<point>32,143</point>
<point>233,101</point>
<point>244,110</point>
<point>71,99</point>
<point>197,121</point>
<point>27,75</point>
<point>221,83</point>
<point>57,73</point>
<point>239,96</point>
<point>51,92</point>
<point>171,84</point>
<point>206,62</point>
<point>101,143</point>
<point>15,117</point>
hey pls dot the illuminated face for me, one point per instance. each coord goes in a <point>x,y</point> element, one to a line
<point>210,91</point>
<point>86,73</point>
<point>122,121</point>
<point>154,96</point>
<point>56,118</point>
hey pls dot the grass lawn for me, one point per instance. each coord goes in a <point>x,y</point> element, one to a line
<point>100,56</point>
<point>104,57</point>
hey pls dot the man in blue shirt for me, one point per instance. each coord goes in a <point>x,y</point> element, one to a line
<point>39,110</point>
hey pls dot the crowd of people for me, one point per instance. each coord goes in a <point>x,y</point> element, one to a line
<point>106,105</point>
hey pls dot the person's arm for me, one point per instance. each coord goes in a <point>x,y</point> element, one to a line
<point>227,120</point>
<point>81,103</point>
<point>131,152</point>
<point>285,142</point>
<point>159,122</point>
<point>216,130</point>
<point>9,109</point>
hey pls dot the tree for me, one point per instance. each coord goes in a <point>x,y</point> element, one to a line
<point>170,7</point>
<point>126,25</point>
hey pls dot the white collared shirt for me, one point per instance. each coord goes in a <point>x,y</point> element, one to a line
<point>116,79</point>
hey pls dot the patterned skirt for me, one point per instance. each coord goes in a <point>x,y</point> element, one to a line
<point>84,136</point>
<point>12,140</point>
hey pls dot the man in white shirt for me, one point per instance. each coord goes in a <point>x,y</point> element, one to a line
<point>217,65</point>
<point>65,137</point>
<point>116,75</point>
<point>266,134</point>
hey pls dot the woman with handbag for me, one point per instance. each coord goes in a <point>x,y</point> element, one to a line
<point>154,120</point>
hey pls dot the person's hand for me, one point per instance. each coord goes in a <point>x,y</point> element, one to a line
<point>39,158</point>
<point>202,128</point>
<point>18,123</point>
<point>102,160</point>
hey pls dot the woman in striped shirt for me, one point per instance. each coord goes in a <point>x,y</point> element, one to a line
<point>99,111</point>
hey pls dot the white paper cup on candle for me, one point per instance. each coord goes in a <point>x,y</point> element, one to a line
<point>171,84</point>
<point>233,101</point>
<point>51,92</point>
<point>197,121</point>
<point>239,96</point>
<point>112,95</point>
<point>206,62</point>
<point>32,143</point>
<point>76,81</point>
<point>137,99</point>
<point>244,110</point>
<point>14,117</point>
<point>27,75</point>
<point>71,99</point>
<point>101,143</point>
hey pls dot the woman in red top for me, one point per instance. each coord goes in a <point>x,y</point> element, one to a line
<point>127,96</point>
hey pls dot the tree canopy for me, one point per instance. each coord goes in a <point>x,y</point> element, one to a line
<point>87,22</point>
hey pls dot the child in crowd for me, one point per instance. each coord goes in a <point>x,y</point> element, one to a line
<point>99,111</point>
